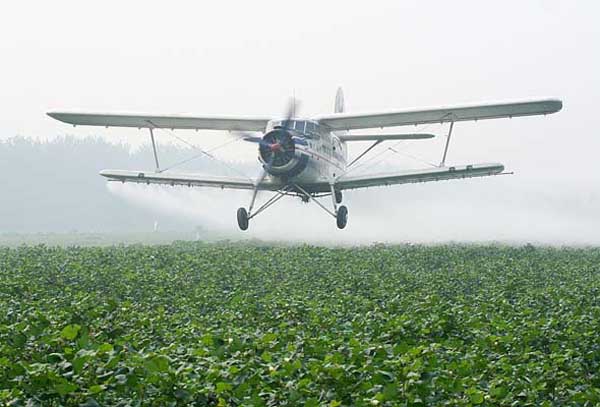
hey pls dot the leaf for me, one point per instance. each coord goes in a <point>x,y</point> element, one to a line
<point>312,402</point>
<point>269,337</point>
<point>105,348</point>
<point>390,391</point>
<point>18,340</point>
<point>159,364</point>
<point>55,357</point>
<point>223,387</point>
<point>97,388</point>
<point>64,388</point>
<point>476,396</point>
<point>78,363</point>
<point>579,397</point>
<point>304,383</point>
<point>70,331</point>
<point>267,357</point>
<point>498,391</point>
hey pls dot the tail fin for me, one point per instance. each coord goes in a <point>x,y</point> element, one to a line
<point>339,101</point>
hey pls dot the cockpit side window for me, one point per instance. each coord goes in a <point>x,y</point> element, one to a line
<point>299,126</point>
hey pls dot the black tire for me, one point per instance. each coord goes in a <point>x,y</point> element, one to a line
<point>342,217</point>
<point>242,218</point>
<point>338,197</point>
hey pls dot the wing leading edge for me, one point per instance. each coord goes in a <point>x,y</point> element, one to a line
<point>347,121</point>
<point>383,137</point>
<point>161,121</point>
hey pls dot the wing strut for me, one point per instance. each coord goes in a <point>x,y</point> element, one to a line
<point>309,197</point>
<point>154,149</point>
<point>278,195</point>
<point>377,142</point>
<point>447,143</point>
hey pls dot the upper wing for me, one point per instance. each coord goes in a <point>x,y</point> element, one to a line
<point>162,121</point>
<point>382,137</point>
<point>189,180</point>
<point>347,121</point>
<point>426,175</point>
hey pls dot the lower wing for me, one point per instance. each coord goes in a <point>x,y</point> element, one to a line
<point>426,175</point>
<point>341,183</point>
<point>190,180</point>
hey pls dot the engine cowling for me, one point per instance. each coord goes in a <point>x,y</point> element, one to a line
<point>277,152</point>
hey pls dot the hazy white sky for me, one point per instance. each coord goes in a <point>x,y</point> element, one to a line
<point>247,57</point>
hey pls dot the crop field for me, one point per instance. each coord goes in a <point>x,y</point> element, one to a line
<point>227,324</point>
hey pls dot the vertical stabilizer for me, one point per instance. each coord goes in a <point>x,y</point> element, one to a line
<point>339,101</point>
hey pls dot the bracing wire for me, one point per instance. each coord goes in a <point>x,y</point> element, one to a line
<point>202,152</point>
<point>393,149</point>
<point>412,156</point>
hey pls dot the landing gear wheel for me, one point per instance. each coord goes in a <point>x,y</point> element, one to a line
<point>342,217</point>
<point>338,197</point>
<point>242,218</point>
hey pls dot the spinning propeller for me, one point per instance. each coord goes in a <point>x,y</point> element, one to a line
<point>276,148</point>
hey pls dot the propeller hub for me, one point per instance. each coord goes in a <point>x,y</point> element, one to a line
<point>277,150</point>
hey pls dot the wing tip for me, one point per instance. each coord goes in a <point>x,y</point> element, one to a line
<point>558,105</point>
<point>550,105</point>
<point>56,115</point>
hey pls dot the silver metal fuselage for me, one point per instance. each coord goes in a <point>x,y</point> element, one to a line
<point>319,153</point>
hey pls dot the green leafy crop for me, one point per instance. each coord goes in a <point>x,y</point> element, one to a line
<point>227,325</point>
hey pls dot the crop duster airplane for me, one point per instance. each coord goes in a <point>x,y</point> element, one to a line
<point>308,157</point>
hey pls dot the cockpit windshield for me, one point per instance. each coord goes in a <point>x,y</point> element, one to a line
<point>308,128</point>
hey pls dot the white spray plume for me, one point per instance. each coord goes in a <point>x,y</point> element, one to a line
<point>478,210</point>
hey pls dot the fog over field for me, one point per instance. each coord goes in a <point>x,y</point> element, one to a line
<point>247,58</point>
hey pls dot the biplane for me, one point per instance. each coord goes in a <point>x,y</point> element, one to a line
<point>308,157</point>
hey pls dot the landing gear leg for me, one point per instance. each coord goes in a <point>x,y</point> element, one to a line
<point>341,217</point>
<point>338,197</point>
<point>340,214</point>
<point>242,218</point>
